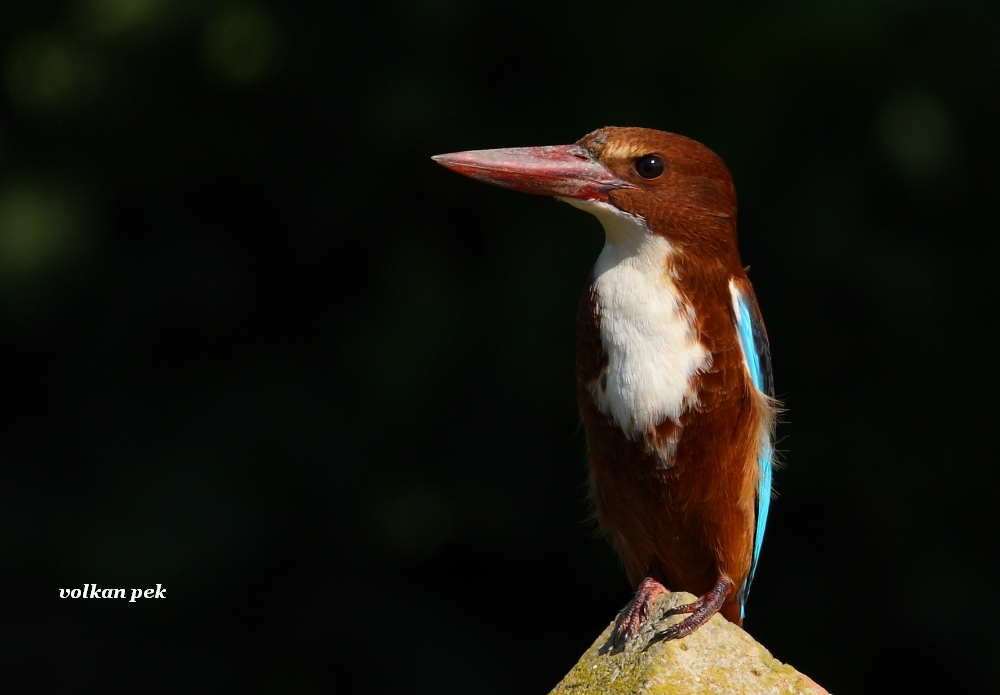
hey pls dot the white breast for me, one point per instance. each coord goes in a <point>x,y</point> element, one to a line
<point>647,329</point>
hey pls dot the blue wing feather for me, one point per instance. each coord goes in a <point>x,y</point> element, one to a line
<point>757,353</point>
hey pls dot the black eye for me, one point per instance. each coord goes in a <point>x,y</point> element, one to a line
<point>649,167</point>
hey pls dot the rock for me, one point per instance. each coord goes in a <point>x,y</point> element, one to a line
<point>718,658</point>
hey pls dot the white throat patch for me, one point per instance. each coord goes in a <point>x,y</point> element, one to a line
<point>647,329</point>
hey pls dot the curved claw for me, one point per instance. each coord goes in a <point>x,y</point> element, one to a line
<point>701,611</point>
<point>633,615</point>
<point>681,610</point>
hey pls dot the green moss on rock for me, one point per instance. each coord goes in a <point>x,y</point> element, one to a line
<point>718,659</point>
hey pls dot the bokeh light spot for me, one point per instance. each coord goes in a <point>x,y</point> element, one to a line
<point>48,74</point>
<point>404,349</point>
<point>118,17</point>
<point>415,519</point>
<point>240,45</point>
<point>436,16</point>
<point>916,132</point>
<point>410,106</point>
<point>41,230</point>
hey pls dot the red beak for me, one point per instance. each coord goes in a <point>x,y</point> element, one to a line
<point>564,171</point>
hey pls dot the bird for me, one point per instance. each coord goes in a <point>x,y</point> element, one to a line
<point>673,364</point>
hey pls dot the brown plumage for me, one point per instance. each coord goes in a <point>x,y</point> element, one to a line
<point>676,482</point>
<point>693,520</point>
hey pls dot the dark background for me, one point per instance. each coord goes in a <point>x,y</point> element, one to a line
<point>257,348</point>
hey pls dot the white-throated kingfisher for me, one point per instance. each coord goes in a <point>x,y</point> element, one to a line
<point>673,365</point>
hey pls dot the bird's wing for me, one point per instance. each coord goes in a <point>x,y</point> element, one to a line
<point>757,357</point>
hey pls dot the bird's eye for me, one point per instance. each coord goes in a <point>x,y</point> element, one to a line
<point>649,167</point>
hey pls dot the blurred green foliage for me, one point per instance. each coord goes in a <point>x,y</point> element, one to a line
<point>258,348</point>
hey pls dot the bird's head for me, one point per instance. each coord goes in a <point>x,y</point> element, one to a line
<point>677,187</point>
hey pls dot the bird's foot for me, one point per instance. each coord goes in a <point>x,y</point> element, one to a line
<point>647,591</point>
<point>700,611</point>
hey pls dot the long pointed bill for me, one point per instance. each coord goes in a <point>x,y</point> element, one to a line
<point>564,171</point>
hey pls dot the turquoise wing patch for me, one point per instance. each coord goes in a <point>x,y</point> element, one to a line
<point>757,353</point>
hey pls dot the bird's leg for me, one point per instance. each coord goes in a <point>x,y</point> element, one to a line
<point>647,591</point>
<point>701,610</point>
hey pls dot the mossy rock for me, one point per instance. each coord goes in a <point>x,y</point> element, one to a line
<point>718,659</point>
